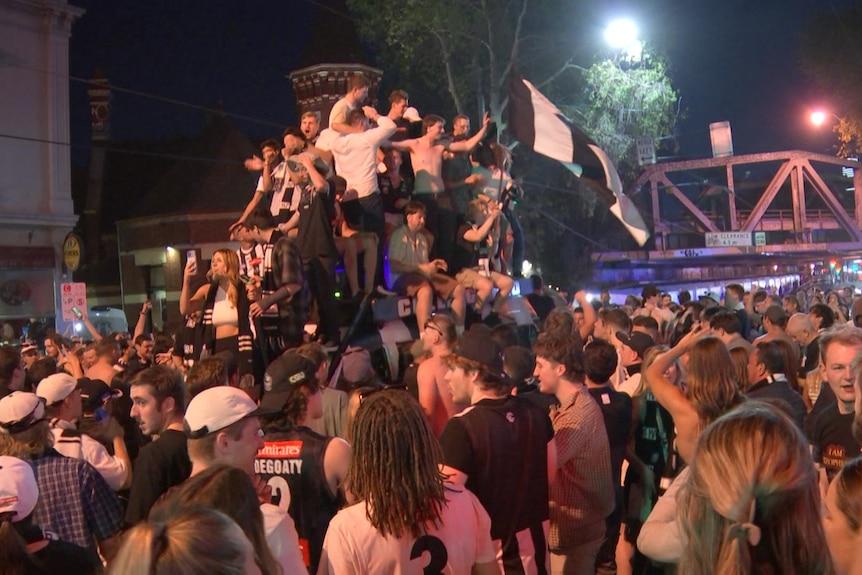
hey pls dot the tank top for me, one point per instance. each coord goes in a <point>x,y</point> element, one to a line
<point>224,313</point>
<point>293,460</point>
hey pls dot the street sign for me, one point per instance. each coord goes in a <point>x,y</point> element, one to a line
<point>728,239</point>
<point>73,295</point>
<point>759,239</point>
<point>692,253</point>
<point>646,150</point>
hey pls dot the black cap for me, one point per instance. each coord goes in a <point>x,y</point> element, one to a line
<point>285,373</point>
<point>638,341</point>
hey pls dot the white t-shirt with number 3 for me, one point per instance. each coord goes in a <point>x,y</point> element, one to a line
<point>353,546</point>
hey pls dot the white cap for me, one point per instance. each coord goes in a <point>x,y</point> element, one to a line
<point>20,410</point>
<point>712,295</point>
<point>412,114</point>
<point>18,489</point>
<point>216,408</point>
<point>56,387</point>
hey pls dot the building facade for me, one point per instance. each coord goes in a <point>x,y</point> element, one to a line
<point>36,211</point>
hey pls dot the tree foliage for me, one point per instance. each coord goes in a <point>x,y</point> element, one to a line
<point>625,101</point>
<point>829,53</point>
<point>466,48</point>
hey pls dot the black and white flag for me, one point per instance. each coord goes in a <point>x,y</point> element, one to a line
<point>535,122</point>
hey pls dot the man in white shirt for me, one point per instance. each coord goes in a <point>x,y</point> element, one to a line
<point>62,395</point>
<point>356,156</point>
<point>357,92</point>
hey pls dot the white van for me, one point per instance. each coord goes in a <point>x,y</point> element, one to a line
<point>107,319</point>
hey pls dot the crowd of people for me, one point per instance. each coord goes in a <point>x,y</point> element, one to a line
<point>649,436</point>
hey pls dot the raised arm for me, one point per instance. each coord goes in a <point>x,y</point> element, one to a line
<point>672,398</point>
<point>590,316</point>
<point>468,145</point>
<point>482,231</point>
<point>190,303</point>
<point>142,319</point>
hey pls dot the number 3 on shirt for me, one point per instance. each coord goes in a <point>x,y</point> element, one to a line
<point>437,550</point>
<point>280,492</point>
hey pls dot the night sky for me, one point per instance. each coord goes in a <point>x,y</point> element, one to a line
<point>731,60</point>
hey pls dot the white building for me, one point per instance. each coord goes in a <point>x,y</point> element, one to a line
<point>36,209</point>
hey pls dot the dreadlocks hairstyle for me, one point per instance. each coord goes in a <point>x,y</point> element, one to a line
<point>395,465</point>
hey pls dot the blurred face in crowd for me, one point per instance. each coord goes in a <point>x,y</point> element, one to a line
<point>89,359</point>
<point>269,154</point>
<point>415,221</point>
<point>460,383</point>
<point>145,349</point>
<point>836,371</point>
<point>461,127</point>
<point>292,146</point>
<point>398,107</point>
<point>435,131</point>
<point>241,452</point>
<point>29,358</point>
<point>51,349</point>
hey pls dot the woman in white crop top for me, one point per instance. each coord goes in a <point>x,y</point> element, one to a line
<point>225,302</point>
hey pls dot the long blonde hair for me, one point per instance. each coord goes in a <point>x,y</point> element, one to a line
<point>753,487</point>
<point>231,262</point>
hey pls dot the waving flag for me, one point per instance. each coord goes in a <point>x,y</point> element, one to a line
<point>537,123</point>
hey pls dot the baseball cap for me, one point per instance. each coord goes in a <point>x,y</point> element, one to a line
<point>638,341</point>
<point>711,295</point>
<point>287,372</point>
<point>19,491</point>
<point>412,114</point>
<point>478,346</point>
<point>20,410</point>
<point>56,387</point>
<point>29,347</point>
<point>94,392</point>
<point>215,408</point>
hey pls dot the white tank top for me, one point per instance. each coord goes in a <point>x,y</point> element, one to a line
<point>224,313</point>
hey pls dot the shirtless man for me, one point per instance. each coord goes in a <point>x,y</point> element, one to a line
<point>426,153</point>
<point>434,393</point>
<point>426,156</point>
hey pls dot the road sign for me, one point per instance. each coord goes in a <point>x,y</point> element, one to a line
<point>760,239</point>
<point>73,295</point>
<point>728,239</point>
<point>692,253</point>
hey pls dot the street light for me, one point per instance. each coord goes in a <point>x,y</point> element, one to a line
<point>818,117</point>
<point>622,35</point>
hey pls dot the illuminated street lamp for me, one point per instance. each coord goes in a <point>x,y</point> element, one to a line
<point>622,35</point>
<point>820,117</point>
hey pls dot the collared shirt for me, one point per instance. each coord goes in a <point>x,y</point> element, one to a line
<point>407,247</point>
<point>68,441</point>
<point>74,501</point>
<point>582,494</point>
